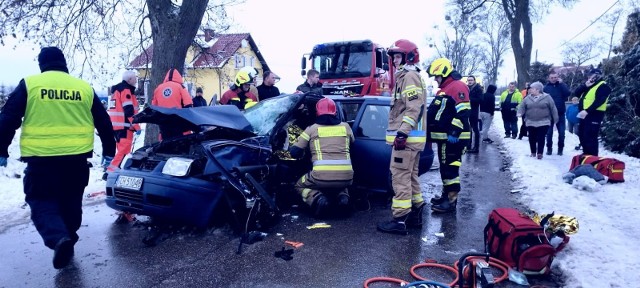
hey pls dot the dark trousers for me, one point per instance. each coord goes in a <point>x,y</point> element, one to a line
<point>450,159</point>
<point>561,127</point>
<point>53,190</point>
<point>475,132</point>
<point>510,128</point>
<point>573,127</point>
<point>523,129</point>
<point>588,133</point>
<point>536,138</point>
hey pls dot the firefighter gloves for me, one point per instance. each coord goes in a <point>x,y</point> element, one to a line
<point>452,139</point>
<point>3,161</point>
<point>400,143</point>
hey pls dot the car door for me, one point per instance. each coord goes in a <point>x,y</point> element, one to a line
<point>370,154</point>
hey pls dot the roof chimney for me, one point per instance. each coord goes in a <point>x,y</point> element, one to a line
<point>208,34</point>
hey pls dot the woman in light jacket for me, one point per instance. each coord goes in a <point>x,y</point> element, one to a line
<point>541,113</point>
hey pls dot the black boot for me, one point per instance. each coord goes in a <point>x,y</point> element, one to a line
<point>395,226</point>
<point>437,200</point>
<point>560,150</point>
<point>319,206</point>
<point>415,217</point>
<point>63,252</point>
<point>549,151</point>
<point>448,203</point>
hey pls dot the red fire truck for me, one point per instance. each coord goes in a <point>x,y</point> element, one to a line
<point>354,68</point>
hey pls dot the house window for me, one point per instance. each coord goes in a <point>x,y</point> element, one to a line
<point>239,61</point>
<point>251,60</point>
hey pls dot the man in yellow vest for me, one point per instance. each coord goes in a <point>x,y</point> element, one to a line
<point>593,94</point>
<point>60,114</point>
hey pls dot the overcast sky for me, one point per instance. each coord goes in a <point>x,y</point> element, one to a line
<point>283,37</point>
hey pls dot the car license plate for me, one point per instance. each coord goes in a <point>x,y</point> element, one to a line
<point>129,182</point>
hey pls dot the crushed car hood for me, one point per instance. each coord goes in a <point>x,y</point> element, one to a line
<point>195,118</point>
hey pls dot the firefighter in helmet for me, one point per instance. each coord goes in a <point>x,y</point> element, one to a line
<point>407,135</point>
<point>448,126</point>
<point>239,94</point>
<point>328,141</point>
<point>253,73</point>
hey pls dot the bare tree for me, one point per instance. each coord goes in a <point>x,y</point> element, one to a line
<point>458,43</point>
<point>495,34</point>
<point>578,53</point>
<point>610,21</point>
<point>90,31</point>
<point>519,13</point>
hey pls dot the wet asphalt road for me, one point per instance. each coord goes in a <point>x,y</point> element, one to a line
<point>344,255</point>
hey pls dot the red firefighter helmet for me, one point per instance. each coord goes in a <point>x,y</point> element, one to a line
<point>408,49</point>
<point>325,106</point>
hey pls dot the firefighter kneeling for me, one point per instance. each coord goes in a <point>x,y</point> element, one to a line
<point>328,141</point>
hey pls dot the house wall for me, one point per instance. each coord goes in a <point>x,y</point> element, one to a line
<point>216,80</point>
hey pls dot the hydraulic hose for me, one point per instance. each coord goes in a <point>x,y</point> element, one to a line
<point>436,265</point>
<point>384,279</point>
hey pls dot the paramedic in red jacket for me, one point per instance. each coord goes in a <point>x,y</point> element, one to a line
<point>171,94</point>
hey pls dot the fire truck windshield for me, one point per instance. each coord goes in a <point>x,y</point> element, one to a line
<point>343,64</point>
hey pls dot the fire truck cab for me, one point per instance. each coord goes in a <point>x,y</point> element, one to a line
<point>351,68</point>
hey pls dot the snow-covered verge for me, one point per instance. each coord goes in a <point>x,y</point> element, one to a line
<point>602,253</point>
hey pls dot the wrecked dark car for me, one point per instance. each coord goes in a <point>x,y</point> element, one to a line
<point>236,165</point>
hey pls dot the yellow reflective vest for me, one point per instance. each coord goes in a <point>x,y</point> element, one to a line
<point>591,96</point>
<point>57,120</point>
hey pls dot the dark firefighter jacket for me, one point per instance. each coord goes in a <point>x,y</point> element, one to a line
<point>448,113</point>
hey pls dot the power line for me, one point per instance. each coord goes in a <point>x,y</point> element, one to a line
<point>593,22</point>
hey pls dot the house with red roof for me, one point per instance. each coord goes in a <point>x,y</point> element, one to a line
<point>212,62</point>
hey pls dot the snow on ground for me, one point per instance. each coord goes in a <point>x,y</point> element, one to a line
<point>600,254</point>
<point>13,209</point>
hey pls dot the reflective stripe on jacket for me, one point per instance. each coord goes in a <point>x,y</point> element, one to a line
<point>57,119</point>
<point>231,98</point>
<point>330,152</point>
<point>591,96</point>
<point>448,113</point>
<point>406,114</point>
<point>121,98</point>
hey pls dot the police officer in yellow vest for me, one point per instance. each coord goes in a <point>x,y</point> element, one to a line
<point>60,113</point>
<point>328,141</point>
<point>407,135</point>
<point>593,94</point>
